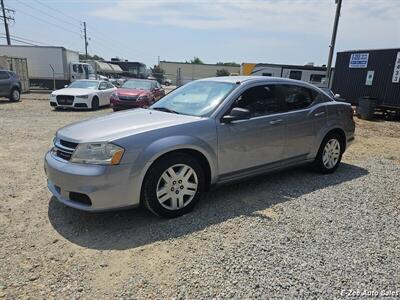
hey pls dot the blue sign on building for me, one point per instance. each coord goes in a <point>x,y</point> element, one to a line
<point>359,60</point>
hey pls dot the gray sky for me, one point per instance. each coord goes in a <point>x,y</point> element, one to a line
<point>275,31</point>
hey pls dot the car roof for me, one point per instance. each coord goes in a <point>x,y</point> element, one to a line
<point>241,79</point>
<point>139,79</point>
<point>92,80</point>
<point>261,79</point>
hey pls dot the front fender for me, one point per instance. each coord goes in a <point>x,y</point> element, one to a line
<point>144,159</point>
<point>172,143</point>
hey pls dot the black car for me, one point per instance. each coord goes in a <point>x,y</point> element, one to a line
<point>10,85</point>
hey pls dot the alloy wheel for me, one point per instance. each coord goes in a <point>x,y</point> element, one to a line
<point>177,187</point>
<point>15,95</point>
<point>331,154</point>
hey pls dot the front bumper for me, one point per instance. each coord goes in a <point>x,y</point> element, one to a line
<point>107,187</point>
<point>122,104</point>
<point>76,103</point>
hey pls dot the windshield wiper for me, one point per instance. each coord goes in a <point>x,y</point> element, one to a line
<point>166,110</point>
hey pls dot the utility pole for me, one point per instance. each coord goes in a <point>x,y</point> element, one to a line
<point>333,41</point>
<point>5,23</point>
<point>86,43</point>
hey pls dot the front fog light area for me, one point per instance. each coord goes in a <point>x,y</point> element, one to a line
<point>97,153</point>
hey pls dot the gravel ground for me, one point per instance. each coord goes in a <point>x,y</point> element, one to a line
<point>293,234</point>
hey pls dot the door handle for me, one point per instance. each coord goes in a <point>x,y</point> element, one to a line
<point>319,114</point>
<point>274,122</point>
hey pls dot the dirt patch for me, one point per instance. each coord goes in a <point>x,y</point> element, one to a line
<point>51,251</point>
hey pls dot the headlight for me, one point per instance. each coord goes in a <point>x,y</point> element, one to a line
<point>97,153</point>
<point>52,95</point>
<point>144,97</point>
<point>82,96</point>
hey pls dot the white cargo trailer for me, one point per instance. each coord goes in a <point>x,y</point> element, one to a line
<point>309,73</point>
<point>49,66</point>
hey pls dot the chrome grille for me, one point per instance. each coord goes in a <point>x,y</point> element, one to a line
<point>65,100</point>
<point>64,149</point>
<point>128,98</point>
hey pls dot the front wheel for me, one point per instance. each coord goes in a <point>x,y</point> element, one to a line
<point>15,95</point>
<point>329,154</point>
<point>173,185</point>
<point>95,103</point>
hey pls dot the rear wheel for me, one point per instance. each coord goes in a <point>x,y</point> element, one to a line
<point>15,95</point>
<point>173,185</point>
<point>95,103</point>
<point>329,154</point>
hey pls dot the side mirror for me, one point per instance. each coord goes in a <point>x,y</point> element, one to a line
<point>337,96</point>
<point>65,86</point>
<point>236,113</point>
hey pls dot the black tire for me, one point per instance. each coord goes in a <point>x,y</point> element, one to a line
<point>95,103</point>
<point>15,95</point>
<point>151,181</point>
<point>115,109</point>
<point>318,164</point>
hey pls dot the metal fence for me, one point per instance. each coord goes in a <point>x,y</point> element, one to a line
<point>19,66</point>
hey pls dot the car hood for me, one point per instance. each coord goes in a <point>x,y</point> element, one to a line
<point>121,124</point>
<point>131,92</point>
<point>73,92</point>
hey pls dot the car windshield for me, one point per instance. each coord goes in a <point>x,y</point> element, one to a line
<point>198,98</point>
<point>84,84</point>
<point>137,84</point>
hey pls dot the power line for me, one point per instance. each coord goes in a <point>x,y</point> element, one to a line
<point>109,39</point>
<point>47,14</point>
<point>48,22</point>
<point>99,37</point>
<point>98,34</point>
<point>59,11</point>
<point>28,40</point>
<point>18,40</point>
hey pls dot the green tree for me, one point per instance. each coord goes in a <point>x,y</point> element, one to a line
<point>228,64</point>
<point>158,73</point>
<point>90,57</point>
<point>196,60</point>
<point>223,72</point>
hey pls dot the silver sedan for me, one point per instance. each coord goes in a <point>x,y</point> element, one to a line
<point>207,132</point>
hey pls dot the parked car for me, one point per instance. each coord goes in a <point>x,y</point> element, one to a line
<point>136,93</point>
<point>114,82</point>
<point>207,132</point>
<point>83,94</point>
<point>167,81</point>
<point>10,85</point>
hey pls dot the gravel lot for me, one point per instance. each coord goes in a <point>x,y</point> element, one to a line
<point>290,234</point>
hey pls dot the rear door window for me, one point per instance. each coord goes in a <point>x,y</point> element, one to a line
<point>4,75</point>
<point>260,100</point>
<point>297,97</point>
